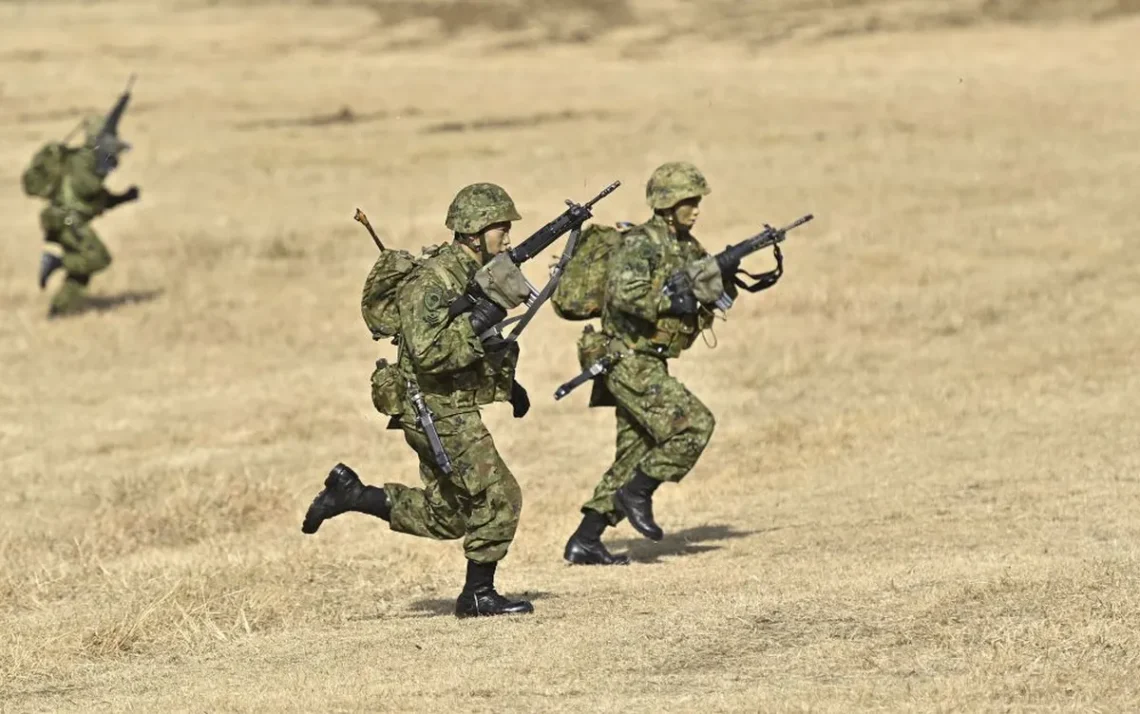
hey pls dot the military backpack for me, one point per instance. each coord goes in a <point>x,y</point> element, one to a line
<point>43,177</point>
<point>382,315</point>
<point>581,292</point>
<point>378,300</point>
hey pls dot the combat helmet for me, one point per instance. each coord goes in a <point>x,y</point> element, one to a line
<point>479,205</point>
<point>674,182</point>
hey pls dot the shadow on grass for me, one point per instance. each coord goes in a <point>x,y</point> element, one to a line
<point>690,541</point>
<point>106,303</point>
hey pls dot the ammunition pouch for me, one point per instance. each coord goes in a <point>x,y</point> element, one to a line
<point>389,388</point>
<point>592,346</point>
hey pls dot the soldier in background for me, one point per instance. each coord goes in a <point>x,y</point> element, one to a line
<point>71,179</point>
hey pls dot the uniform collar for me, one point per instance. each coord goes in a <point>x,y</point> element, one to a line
<point>466,262</point>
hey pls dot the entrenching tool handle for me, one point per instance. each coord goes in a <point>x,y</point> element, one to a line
<point>427,422</point>
<point>571,385</point>
<point>602,366</point>
<point>363,219</point>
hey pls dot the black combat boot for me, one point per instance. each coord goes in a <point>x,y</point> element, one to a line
<point>49,263</point>
<point>635,499</point>
<point>479,598</point>
<point>585,547</point>
<point>344,492</point>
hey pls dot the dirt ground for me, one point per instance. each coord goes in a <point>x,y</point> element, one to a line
<point>923,490</point>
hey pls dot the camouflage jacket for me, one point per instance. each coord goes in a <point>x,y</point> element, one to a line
<point>638,269</point>
<point>81,190</point>
<point>444,355</point>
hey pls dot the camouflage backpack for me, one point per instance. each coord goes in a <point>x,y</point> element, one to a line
<point>381,314</point>
<point>581,292</point>
<point>43,177</point>
<point>378,299</point>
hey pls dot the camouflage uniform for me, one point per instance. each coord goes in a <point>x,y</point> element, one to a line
<point>480,501</point>
<point>662,428</point>
<point>67,221</point>
<point>441,355</point>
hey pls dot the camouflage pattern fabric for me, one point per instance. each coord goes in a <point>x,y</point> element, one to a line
<point>581,292</point>
<point>444,355</point>
<point>708,281</point>
<point>662,428</point>
<point>378,298</point>
<point>674,182</point>
<point>479,205</point>
<point>81,191</point>
<point>642,263</point>
<point>502,282</point>
<point>66,221</point>
<point>480,500</point>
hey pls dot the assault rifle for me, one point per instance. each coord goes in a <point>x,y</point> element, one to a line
<point>681,282</point>
<point>108,145</point>
<point>729,260</point>
<point>570,221</point>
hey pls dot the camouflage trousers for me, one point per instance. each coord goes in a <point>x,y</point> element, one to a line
<point>83,256</point>
<point>480,501</point>
<point>662,429</point>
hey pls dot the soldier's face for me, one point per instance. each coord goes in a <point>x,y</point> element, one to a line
<point>498,237</point>
<point>686,212</point>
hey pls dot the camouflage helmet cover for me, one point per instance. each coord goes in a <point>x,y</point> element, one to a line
<point>674,182</point>
<point>479,205</point>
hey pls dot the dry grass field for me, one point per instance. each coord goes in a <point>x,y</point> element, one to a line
<point>924,489</point>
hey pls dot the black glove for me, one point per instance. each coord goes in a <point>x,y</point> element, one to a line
<point>485,315</point>
<point>519,400</point>
<point>682,304</point>
<point>131,194</point>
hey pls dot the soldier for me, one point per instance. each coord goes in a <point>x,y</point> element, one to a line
<point>440,354</point>
<point>77,198</point>
<point>662,428</point>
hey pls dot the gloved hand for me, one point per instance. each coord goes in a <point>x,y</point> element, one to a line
<point>520,401</point>
<point>485,314</point>
<point>131,194</point>
<point>682,304</point>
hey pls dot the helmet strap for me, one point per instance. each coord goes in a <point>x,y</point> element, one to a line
<point>477,243</point>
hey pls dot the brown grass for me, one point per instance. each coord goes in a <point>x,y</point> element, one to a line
<point>923,489</point>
